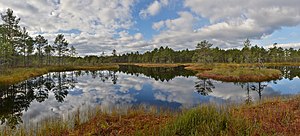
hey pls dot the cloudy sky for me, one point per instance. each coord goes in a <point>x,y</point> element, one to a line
<point>94,26</point>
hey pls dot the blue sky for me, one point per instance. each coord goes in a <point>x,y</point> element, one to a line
<point>96,26</point>
<point>285,35</point>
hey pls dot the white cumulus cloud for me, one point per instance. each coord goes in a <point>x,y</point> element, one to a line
<point>154,8</point>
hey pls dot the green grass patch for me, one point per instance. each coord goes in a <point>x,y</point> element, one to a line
<point>207,120</point>
<point>241,74</point>
<point>199,67</point>
<point>154,65</point>
<point>283,64</point>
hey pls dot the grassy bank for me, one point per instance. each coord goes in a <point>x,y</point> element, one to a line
<point>94,121</point>
<point>279,116</point>
<point>234,72</point>
<point>153,65</point>
<point>241,74</point>
<point>230,72</point>
<point>207,120</point>
<point>218,71</point>
<point>16,75</point>
<point>283,64</point>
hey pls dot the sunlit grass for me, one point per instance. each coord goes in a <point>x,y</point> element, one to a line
<point>234,72</point>
<point>230,72</point>
<point>283,64</point>
<point>199,67</point>
<point>207,120</point>
<point>241,74</point>
<point>19,74</point>
<point>16,75</point>
<point>219,71</point>
<point>166,65</point>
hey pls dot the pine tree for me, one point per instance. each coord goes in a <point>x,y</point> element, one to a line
<point>48,49</point>
<point>40,42</point>
<point>10,35</point>
<point>61,47</point>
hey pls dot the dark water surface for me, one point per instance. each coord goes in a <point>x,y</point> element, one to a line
<point>60,93</point>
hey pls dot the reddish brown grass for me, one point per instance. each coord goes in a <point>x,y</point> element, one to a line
<point>104,124</point>
<point>275,117</point>
<point>241,78</point>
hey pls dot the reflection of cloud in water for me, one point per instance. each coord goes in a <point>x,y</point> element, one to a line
<point>270,92</point>
<point>286,86</point>
<point>231,92</point>
<point>179,92</point>
<point>128,82</point>
<point>228,91</point>
<point>76,91</point>
<point>87,92</point>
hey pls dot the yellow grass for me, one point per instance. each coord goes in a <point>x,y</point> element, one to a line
<point>16,75</point>
<point>234,72</point>
<point>241,74</point>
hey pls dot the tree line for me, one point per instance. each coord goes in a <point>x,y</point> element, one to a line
<point>204,53</point>
<point>18,48</point>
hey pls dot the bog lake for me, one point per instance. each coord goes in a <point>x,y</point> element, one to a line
<point>61,93</point>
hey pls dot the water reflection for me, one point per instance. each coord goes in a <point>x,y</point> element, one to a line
<point>288,72</point>
<point>204,86</point>
<point>62,92</point>
<point>252,87</point>
<point>157,73</point>
<point>16,99</point>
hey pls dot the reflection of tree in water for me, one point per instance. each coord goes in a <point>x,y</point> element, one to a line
<point>62,86</point>
<point>246,86</point>
<point>288,72</point>
<point>157,73</point>
<point>43,87</point>
<point>204,86</point>
<point>257,87</point>
<point>14,99</point>
<point>114,77</point>
<point>103,75</point>
<point>12,103</point>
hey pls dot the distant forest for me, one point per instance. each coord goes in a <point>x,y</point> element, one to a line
<point>204,53</point>
<point>19,49</point>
